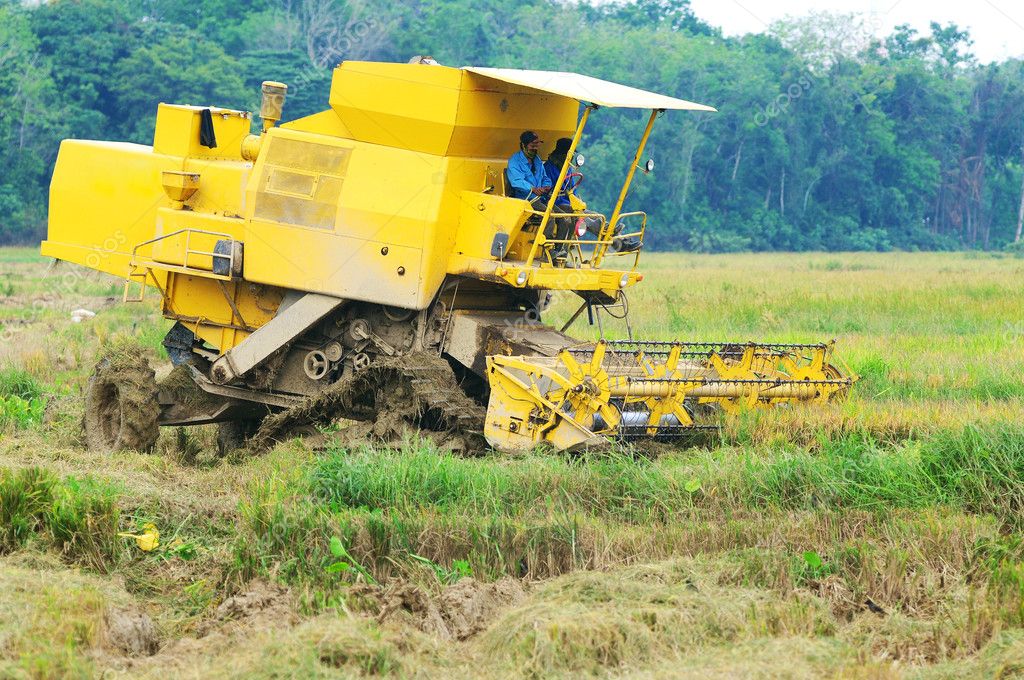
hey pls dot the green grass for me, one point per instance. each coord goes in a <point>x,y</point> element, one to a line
<point>77,517</point>
<point>25,497</point>
<point>19,413</point>
<point>19,383</point>
<point>22,256</point>
<point>617,486</point>
<point>976,470</point>
<point>756,551</point>
<point>969,469</point>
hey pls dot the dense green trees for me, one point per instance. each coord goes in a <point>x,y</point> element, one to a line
<point>826,138</point>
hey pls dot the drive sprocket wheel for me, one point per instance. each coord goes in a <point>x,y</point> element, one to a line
<point>120,403</point>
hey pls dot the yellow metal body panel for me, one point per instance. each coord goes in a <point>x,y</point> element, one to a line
<point>491,116</point>
<point>443,111</point>
<point>377,198</point>
<point>221,186</point>
<point>329,215</point>
<point>177,132</point>
<point>205,307</point>
<point>482,217</point>
<point>323,123</point>
<point>381,104</point>
<point>104,198</point>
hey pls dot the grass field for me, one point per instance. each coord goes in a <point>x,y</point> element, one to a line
<point>880,537</point>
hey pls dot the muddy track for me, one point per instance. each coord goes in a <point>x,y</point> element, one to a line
<point>119,400</point>
<point>391,397</point>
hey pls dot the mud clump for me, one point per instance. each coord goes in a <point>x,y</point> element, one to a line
<point>261,607</point>
<point>459,612</point>
<point>120,401</point>
<point>469,606</point>
<point>413,601</point>
<point>130,632</point>
<point>261,600</point>
<point>184,390</point>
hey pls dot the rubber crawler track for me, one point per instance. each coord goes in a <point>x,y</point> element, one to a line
<point>418,390</point>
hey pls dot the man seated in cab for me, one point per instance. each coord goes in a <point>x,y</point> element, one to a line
<point>553,166</point>
<point>526,175</point>
<point>527,179</point>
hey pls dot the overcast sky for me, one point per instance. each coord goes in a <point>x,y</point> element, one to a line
<point>997,26</point>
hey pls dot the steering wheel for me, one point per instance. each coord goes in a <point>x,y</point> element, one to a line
<point>576,177</point>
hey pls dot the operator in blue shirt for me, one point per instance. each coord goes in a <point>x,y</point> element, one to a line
<point>528,179</point>
<point>553,167</point>
<point>526,170</point>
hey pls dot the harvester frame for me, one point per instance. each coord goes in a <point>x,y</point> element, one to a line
<point>299,261</point>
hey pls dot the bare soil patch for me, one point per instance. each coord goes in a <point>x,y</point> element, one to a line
<point>458,612</point>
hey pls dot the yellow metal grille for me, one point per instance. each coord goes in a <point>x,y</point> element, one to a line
<point>307,198</point>
<point>281,181</point>
<point>308,156</point>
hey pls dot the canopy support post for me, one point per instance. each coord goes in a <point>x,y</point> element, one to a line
<point>554,189</point>
<point>609,229</point>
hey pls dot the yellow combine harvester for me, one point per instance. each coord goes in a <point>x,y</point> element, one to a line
<point>368,262</point>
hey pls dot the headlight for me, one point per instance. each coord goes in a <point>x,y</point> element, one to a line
<point>580,160</point>
<point>521,278</point>
<point>649,166</point>
<point>624,281</point>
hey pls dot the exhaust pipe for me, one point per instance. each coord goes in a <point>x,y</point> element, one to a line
<point>271,111</point>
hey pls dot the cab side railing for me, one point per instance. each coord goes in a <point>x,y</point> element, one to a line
<point>588,251</point>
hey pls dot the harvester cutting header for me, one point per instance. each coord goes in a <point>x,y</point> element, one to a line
<point>382,259</point>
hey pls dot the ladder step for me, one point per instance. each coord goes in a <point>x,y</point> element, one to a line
<point>137,275</point>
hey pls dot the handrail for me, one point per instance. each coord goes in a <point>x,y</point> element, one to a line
<point>189,251</point>
<point>571,242</point>
<point>623,235</point>
<point>599,245</point>
<point>556,187</point>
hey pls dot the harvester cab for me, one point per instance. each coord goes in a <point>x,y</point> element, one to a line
<point>367,263</point>
<point>609,234</point>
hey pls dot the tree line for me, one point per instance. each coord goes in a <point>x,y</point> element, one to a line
<point>827,137</point>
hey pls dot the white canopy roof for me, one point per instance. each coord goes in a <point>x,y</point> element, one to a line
<point>587,89</point>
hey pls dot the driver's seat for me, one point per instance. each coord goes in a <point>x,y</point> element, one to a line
<point>505,184</point>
